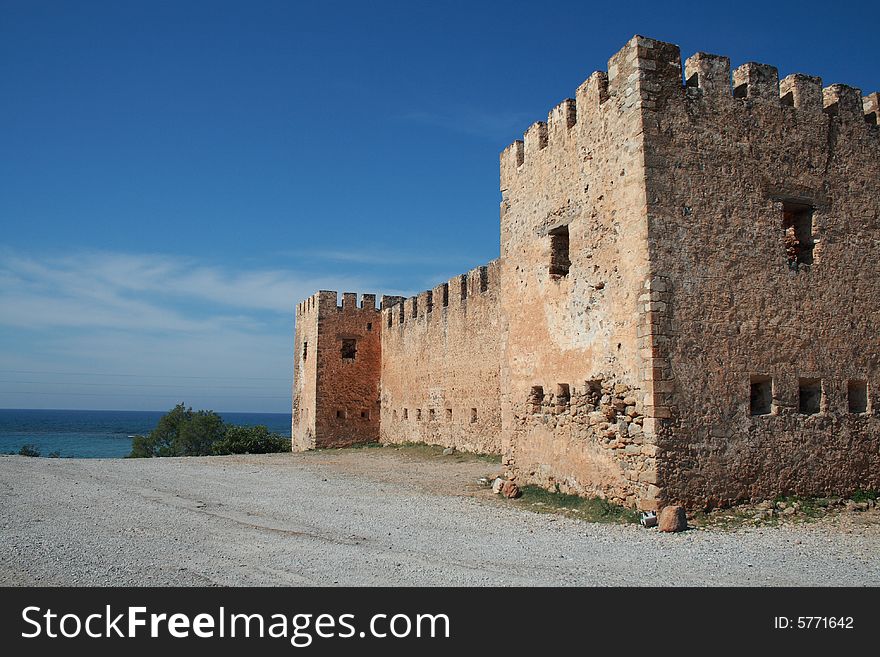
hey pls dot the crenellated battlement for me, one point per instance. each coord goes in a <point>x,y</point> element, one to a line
<point>327,301</point>
<point>451,294</point>
<point>645,75</point>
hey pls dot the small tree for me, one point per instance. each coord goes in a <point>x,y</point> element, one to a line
<point>182,432</point>
<point>29,450</point>
<point>196,436</point>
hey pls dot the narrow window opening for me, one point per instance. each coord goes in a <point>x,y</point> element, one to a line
<point>559,253</point>
<point>349,349</point>
<point>305,350</point>
<point>432,414</point>
<point>390,317</point>
<point>429,302</point>
<point>445,294</point>
<point>563,397</point>
<point>761,395</point>
<point>797,224</point>
<point>340,415</point>
<point>418,413</point>
<point>473,416</point>
<point>536,398</point>
<point>369,326</point>
<point>857,395</point>
<point>809,396</point>
<point>405,413</point>
<point>365,414</point>
<point>449,415</point>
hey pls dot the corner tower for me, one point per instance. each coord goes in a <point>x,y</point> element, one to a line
<point>337,363</point>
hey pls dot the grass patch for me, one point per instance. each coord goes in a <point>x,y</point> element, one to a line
<point>590,509</point>
<point>422,450</point>
<point>362,446</point>
<point>864,495</point>
<point>426,450</point>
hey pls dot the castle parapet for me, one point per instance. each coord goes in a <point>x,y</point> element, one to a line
<point>325,302</point>
<point>646,73</point>
<point>437,300</point>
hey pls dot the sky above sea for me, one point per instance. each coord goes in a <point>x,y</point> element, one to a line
<point>176,176</point>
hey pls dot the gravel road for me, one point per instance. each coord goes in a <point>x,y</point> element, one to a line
<point>365,517</point>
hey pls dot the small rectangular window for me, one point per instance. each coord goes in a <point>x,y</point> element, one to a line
<point>797,226</point>
<point>365,414</point>
<point>560,262</point>
<point>761,402</point>
<point>449,415</point>
<point>340,415</point>
<point>369,326</point>
<point>418,413</point>
<point>431,414</point>
<point>349,349</point>
<point>536,398</point>
<point>473,416</point>
<point>390,317</point>
<point>405,413</point>
<point>563,397</point>
<point>809,396</point>
<point>857,396</point>
<point>305,350</point>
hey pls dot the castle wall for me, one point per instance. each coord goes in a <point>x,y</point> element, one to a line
<point>683,309</point>
<point>347,361</point>
<point>440,365</point>
<point>732,303</point>
<point>583,169</point>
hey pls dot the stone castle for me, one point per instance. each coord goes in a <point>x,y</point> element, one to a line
<point>683,310</point>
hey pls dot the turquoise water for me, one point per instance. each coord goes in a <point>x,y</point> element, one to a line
<point>99,434</point>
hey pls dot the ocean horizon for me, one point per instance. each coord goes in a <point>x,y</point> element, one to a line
<point>99,434</point>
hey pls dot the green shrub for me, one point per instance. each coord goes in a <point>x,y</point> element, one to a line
<point>184,432</point>
<point>28,450</point>
<point>251,440</point>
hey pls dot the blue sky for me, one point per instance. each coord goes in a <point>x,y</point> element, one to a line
<point>175,176</point>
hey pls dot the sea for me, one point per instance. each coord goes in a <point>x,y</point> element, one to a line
<point>99,434</point>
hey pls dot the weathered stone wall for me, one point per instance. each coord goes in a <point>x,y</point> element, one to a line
<point>582,169</point>
<point>440,365</point>
<point>305,346</point>
<point>724,164</point>
<point>347,354</point>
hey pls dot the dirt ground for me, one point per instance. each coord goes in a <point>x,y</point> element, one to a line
<point>376,516</point>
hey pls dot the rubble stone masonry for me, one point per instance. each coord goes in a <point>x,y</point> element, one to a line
<point>683,311</point>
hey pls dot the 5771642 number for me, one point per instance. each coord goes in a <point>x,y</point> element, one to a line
<point>813,622</point>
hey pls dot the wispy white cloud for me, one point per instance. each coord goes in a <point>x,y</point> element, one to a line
<point>146,292</point>
<point>153,315</point>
